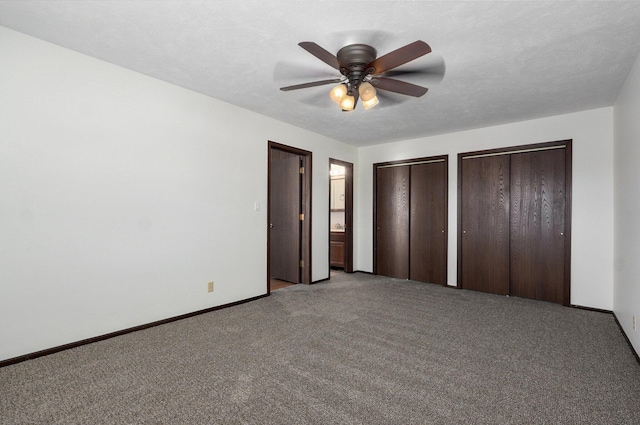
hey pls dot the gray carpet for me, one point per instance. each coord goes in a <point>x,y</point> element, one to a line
<point>356,350</point>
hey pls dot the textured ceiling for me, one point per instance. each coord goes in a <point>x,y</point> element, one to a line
<point>505,61</point>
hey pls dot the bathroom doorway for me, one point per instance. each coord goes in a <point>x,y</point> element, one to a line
<point>340,215</point>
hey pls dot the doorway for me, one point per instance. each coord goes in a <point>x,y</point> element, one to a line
<point>340,215</point>
<point>288,216</point>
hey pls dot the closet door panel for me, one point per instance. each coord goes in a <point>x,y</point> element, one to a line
<point>537,225</point>
<point>392,221</point>
<point>427,244</point>
<point>485,224</point>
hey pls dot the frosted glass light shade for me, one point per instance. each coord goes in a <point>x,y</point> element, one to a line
<point>367,91</point>
<point>370,103</point>
<point>348,103</point>
<point>338,93</point>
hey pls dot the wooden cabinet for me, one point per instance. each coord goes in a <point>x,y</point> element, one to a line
<point>336,252</point>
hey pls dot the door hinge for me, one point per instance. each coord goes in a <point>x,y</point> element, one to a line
<point>301,217</point>
<point>301,170</point>
<point>301,264</point>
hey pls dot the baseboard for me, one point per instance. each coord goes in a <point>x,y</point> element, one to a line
<point>598,310</point>
<point>633,350</point>
<point>59,348</point>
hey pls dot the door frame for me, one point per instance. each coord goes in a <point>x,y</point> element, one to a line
<point>559,144</point>
<point>348,215</point>
<point>305,199</point>
<point>402,162</point>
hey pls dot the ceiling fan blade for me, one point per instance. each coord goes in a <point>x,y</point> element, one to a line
<point>398,86</point>
<point>400,56</point>
<point>320,53</point>
<point>422,78</point>
<point>430,67</point>
<point>311,84</point>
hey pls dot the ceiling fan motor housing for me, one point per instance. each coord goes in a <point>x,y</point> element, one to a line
<point>354,61</point>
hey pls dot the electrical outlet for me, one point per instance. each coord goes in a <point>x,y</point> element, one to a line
<point>210,287</point>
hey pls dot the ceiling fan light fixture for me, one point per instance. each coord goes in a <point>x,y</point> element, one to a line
<point>359,65</point>
<point>367,91</point>
<point>338,93</point>
<point>370,103</point>
<point>348,103</point>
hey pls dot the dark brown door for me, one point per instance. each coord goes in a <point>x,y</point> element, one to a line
<point>485,224</point>
<point>285,207</point>
<point>392,221</point>
<point>537,225</point>
<point>348,211</point>
<point>428,221</point>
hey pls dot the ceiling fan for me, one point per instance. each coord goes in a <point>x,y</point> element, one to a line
<point>363,72</point>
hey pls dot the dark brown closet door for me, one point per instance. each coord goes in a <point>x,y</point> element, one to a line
<point>285,207</point>
<point>392,220</point>
<point>427,245</point>
<point>485,224</point>
<point>537,225</point>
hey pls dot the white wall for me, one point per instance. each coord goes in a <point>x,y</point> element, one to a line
<point>592,208</point>
<point>626,288</point>
<point>121,196</point>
